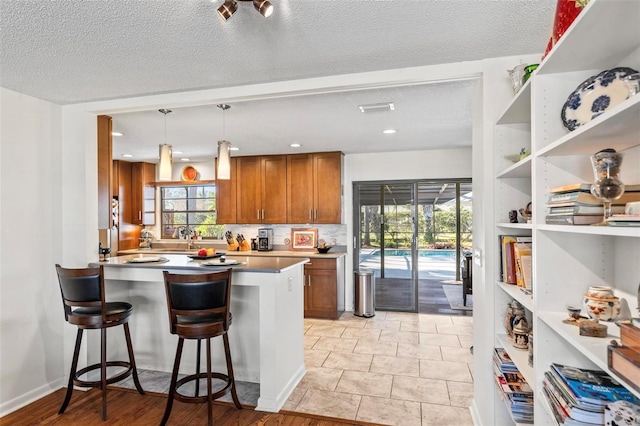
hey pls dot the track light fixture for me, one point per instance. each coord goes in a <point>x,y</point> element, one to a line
<point>229,7</point>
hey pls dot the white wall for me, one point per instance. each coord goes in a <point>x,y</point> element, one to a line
<point>31,316</point>
<point>434,164</point>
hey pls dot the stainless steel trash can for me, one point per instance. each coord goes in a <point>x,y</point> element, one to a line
<point>364,287</point>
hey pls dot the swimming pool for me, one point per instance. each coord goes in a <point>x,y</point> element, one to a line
<point>421,253</point>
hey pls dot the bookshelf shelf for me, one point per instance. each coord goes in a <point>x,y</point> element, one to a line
<point>592,230</point>
<point>516,292</point>
<point>519,110</point>
<point>521,169</point>
<point>508,225</point>
<point>519,358</point>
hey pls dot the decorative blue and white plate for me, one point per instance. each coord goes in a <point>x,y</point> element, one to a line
<point>595,95</point>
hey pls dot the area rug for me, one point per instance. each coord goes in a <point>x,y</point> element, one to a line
<point>454,296</point>
<point>158,382</point>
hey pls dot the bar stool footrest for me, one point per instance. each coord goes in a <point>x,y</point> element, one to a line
<point>110,380</point>
<point>185,398</point>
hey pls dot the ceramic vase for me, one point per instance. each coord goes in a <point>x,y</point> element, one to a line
<point>603,309</point>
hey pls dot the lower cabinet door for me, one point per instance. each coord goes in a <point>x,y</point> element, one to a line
<point>320,296</point>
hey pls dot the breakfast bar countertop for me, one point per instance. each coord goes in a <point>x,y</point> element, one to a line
<point>236,254</point>
<point>266,264</point>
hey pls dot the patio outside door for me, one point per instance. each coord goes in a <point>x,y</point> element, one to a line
<point>412,234</point>
<point>386,242</point>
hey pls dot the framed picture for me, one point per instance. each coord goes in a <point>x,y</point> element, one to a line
<point>304,238</point>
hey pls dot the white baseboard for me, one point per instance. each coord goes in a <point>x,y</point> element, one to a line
<point>475,415</point>
<point>10,406</point>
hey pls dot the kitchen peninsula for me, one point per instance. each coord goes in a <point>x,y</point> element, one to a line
<point>266,334</point>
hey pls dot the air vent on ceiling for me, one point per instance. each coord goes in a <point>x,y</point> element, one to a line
<point>386,106</point>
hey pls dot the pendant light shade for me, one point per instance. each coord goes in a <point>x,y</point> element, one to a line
<point>164,165</point>
<point>223,166</point>
<point>223,169</point>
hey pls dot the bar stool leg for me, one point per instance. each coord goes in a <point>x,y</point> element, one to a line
<point>209,388</point>
<point>132,359</point>
<point>103,371</point>
<point>174,379</point>
<point>72,373</point>
<point>198,367</point>
<point>227,355</point>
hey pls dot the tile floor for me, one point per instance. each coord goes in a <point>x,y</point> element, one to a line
<point>395,368</point>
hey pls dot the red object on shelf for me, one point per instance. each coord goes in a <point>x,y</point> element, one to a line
<point>566,13</point>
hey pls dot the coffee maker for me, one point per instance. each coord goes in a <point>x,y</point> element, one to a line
<point>265,239</point>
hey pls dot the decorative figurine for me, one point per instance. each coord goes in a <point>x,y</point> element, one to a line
<point>514,309</point>
<point>526,213</point>
<point>520,332</point>
<point>513,216</point>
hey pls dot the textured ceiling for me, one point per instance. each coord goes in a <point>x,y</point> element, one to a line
<point>71,51</point>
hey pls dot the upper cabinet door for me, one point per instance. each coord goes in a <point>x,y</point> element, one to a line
<point>327,194</point>
<point>226,197</point>
<point>249,186</point>
<point>105,172</point>
<point>300,192</point>
<point>143,176</point>
<point>274,189</point>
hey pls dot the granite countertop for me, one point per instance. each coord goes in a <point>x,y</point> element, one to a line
<point>274,253</point>
<point>269,264</point>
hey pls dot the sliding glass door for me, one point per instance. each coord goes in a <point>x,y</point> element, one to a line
<point>410,232</point>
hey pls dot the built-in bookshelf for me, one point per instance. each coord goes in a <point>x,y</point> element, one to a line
<point>566,259</point>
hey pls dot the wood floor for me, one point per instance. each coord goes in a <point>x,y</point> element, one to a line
<point>126,408</point>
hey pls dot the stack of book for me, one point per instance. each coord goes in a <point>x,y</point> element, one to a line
<point>516,260</point>
<point>578,396</point>
<point>574,205</point>
<point>514,389</point>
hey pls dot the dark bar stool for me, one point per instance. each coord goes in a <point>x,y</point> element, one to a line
<point>84,304</point>
<point>198,306</point>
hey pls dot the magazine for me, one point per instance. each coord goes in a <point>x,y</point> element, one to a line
<point>593,386</point>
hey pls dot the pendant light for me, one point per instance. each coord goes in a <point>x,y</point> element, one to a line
<point>223,168</point>
<point>164,166</point>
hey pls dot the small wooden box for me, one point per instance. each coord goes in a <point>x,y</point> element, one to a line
<point>630,336</point>
<point>625,362</point>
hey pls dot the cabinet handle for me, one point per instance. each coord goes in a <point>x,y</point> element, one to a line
<point>315,214</point>
<point>262,214</point>
<point>309,280</point>
<point>140,215</point>
<point>310,214</point>
<point>258,214</point>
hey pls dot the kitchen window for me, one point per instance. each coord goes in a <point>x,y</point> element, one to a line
<point>189,209</point>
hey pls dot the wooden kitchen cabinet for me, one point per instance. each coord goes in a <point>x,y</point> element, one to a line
<point>226,197</point>
<point>324,288</point>
<point>314,187</point>
<point>261,189</point>
<point>105,172</point>
<point>128,232</point>
<point>143,193</point>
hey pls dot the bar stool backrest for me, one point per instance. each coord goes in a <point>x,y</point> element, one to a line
<point>196,300</point>
<point>82,288</point>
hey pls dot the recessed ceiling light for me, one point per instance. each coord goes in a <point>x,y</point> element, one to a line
<point>389,131</point>
<point>177,152</point>
<point>117,133</point>
<point>385,106</point>
<point>185,159</point>
<point>295,145</point>
<point>234,148</point>
<point>127,155</point>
